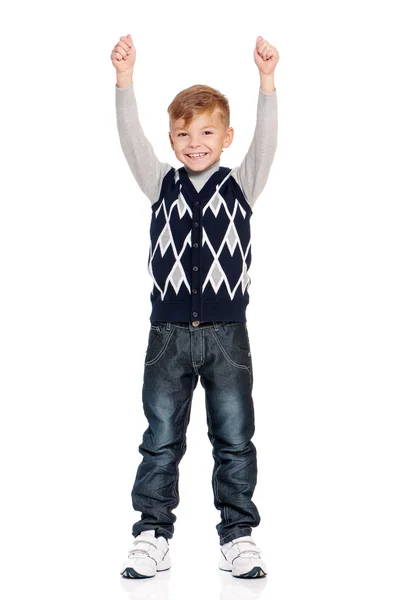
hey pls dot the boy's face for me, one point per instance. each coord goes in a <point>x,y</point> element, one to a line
<point>206,134</point>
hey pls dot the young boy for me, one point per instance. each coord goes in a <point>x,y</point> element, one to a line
<point>199,257</point>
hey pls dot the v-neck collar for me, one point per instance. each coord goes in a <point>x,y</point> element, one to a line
<point>210,183</point>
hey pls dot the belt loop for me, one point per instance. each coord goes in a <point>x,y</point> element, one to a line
<point>215,326</point>
<point>168,325</point>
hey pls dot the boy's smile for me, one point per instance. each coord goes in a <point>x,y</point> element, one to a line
<point>199,146</point>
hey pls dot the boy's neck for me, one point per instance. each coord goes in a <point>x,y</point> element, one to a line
<point>205,173</point>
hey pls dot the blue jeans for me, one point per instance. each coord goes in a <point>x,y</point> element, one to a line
<point>177,354</point>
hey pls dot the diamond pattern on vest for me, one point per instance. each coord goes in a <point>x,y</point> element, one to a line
<point>177,274</point>
<point>216,275</point>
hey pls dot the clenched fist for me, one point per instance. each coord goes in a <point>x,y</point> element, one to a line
<point>265,56</point>
<point>123,55</point>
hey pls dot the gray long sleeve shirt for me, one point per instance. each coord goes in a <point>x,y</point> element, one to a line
<point>149,171</point>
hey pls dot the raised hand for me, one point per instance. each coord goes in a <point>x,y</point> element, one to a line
<point>265,56</point>
<point>123,55</point>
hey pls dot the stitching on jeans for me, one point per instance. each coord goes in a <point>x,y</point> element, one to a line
<point>226,514</point>
<point>183,443</point>
<point>162,351</point>
<point>250,353</point>
<point>217,461</point>
<point>201,346</point>
<point>188,410</point>
<point>216,488</point>
<point>227,355</point>
<point>192,352</point>
<point>238,533</point>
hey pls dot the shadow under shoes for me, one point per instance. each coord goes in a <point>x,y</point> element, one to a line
<point>242,557</point>
<point>147,555</point>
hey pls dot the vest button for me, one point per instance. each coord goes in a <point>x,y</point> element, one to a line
<point>196,203</point>
<point>195,291</point>
<point>195,268</point>
<point>196,224</point>
<point>195,314</point>
<point>195,245</point>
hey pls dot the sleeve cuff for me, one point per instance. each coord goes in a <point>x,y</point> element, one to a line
<point>125,88</point>
<point>268,93</point>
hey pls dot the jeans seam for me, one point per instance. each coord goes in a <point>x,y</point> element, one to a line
<point>162,351</point>
<point>184,427</point>
<point>235,364</point>
<point>236,534</point>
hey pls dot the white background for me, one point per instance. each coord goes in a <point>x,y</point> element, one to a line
<point>74,237</point>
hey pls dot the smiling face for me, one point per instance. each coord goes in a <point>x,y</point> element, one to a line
<point>206,135</point>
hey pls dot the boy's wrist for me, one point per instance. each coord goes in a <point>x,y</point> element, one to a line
<point>124,80</point>
<point>267,83</point>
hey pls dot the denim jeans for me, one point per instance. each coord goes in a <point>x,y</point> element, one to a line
<point>177,354</point>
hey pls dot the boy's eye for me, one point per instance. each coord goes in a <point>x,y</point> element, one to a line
<point>186,134</point>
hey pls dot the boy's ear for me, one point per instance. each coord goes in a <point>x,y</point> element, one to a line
<point>171,140</point>
<point>229,136</point>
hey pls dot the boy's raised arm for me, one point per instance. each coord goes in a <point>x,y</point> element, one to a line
<point>148,171</point>
<point>253,172</point>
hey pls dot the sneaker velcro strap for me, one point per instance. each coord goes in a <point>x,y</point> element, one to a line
<point>244,548</point>
<point>144,548</point>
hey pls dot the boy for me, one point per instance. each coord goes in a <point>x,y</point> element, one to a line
<point>200,253</point>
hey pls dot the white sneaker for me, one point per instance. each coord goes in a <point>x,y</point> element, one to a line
<point>147,555</point>
<point>242,557</point>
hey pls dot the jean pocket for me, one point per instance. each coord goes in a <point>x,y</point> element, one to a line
<point>158,339</point>
<point>233,341</point>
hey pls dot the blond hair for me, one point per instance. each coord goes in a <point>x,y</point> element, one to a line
<point>197,100</point>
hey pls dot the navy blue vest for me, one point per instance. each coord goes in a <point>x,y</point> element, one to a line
<point>200,249</point>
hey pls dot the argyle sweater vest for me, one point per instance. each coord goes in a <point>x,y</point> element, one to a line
<point>200,249</point>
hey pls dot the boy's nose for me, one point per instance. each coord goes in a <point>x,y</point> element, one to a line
<point>195,148</point>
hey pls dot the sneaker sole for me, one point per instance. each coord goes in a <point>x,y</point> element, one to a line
<point>254,573</point>
<point>130,573</point>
